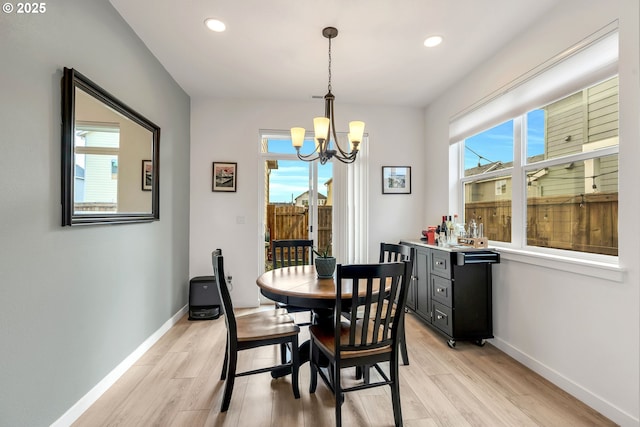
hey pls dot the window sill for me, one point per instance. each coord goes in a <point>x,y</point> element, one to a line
<point>601,270</point>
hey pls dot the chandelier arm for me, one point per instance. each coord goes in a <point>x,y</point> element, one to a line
<point>332,129</point>
<point>330,109</point>
<point>308,157</point>
<point>346,160</point>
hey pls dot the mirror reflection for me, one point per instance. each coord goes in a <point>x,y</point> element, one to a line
<point>110,157</point>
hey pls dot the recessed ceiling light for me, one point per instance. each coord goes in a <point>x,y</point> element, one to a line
<point>433,41</point>
<point>215,25</point>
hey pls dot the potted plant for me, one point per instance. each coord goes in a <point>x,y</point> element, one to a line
<point>325,264</point>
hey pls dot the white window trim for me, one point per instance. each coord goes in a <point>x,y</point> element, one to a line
<point>585,267</point>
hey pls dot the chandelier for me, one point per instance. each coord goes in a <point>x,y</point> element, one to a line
<point>324,128</point>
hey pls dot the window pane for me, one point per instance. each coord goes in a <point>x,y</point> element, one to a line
<point>489,150</point>
<point>96,189</point>
<point>535,135</point>
<point>580,122</point>
<point>488,202</point>
<point>284,146</point>
<point>575,206</point>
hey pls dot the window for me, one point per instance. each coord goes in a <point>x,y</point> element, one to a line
<point>488,199</point>
<point>97,148</point>
<point>564,158</point>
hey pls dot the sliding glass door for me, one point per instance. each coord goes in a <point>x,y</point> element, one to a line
<point>297,199</point>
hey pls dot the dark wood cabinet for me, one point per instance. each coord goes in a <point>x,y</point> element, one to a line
<point>451,291</point>
<point>411,295</point>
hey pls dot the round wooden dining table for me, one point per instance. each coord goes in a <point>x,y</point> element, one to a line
<point>300,286</point>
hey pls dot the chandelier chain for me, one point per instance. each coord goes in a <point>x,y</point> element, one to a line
<point>329,85</point>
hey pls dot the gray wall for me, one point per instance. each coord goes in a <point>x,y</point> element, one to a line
<point>75,302</point>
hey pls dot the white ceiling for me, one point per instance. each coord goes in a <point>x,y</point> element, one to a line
<point>274,49</point>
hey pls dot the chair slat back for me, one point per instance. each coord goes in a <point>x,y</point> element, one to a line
<point>391,252</point>
<point>218,272</point>
<point>291,252</point>
<point>372,326</point>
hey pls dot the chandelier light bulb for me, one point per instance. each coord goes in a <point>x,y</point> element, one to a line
<point>356,131</point>
<point>297,137</point>
<point>321,127</point>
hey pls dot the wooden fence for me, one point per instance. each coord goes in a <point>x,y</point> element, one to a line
<point>585,223</point>
<point>292,222</point>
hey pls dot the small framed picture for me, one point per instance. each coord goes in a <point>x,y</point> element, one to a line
<point>396,180</point>
<point>147,175</point>
<point>224,176</point>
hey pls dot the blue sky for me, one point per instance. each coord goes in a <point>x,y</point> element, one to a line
<point>292,176</point>
<point>496,144</point>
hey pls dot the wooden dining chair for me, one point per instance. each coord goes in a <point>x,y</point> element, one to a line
<point>391,252</point>
<point>288,253</point>
<point>362,340</point>
<point>251,331</point>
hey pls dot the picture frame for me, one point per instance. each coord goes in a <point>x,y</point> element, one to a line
<point>147,175</point>
<point>224,176</point>
<point>396,180</point>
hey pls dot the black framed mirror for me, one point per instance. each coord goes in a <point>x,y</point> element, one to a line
<point>110,157</point>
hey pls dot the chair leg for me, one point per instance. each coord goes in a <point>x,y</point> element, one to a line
<point>283,353</point>
<point>295,366</point>
<point>313,370</point>
<point>338,393</point>
<point>403,350</point>
<point>403,345</point>
<point>395,391</point>
<point>223,374</point>
<point>366,374</point>
<point>231,378</point>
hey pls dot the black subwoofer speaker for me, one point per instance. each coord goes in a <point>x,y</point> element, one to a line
<point>204,300</point>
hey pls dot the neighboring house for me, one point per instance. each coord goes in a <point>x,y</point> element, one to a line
<point>78,184</point>
<point>329,185</point>
<point>303,199</point>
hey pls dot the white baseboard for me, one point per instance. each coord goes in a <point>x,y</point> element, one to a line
<point>94,394</point>
<point>596,402</point>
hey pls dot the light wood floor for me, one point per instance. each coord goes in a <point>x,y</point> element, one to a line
<point>176,383</point>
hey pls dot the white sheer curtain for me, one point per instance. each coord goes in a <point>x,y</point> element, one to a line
<point>351,215</point>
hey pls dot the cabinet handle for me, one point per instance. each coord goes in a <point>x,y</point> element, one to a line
<point>439,263</point>
<point>439,290</point>
<point>440,317</point>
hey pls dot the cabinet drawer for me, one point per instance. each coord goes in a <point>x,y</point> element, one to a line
<point>441,290</point>
<point>442,318</point>
<point>441,263</point>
